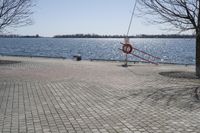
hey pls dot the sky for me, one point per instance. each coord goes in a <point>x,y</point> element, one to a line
<point>103,17</point>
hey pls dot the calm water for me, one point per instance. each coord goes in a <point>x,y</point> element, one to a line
<point>181,51</point>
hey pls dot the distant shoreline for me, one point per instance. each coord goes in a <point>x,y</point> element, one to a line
<point>99,36</point>
<point>122,36</point>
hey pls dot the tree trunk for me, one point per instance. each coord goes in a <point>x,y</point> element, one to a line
<point>198,54</point>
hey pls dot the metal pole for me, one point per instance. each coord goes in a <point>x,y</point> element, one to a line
<point>126,61</point>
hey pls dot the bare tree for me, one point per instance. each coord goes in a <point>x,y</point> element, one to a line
<point>14,13</point>
<point>182,14</point>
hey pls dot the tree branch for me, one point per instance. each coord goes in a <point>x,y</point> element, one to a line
<point>14,13</point>
<point>182,14</point>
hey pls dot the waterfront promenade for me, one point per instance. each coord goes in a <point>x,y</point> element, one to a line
<point>55,95</point>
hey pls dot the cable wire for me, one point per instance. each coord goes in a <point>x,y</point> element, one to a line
<point>133,12</point>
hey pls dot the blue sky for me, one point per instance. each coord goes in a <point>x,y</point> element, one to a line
<point>53,17</point>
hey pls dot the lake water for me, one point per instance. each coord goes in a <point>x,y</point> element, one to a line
<point>180,51</point>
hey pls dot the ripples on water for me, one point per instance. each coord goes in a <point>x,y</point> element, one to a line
<point>181,51</point>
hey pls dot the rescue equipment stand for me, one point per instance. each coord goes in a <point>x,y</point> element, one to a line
<point>128,49</point>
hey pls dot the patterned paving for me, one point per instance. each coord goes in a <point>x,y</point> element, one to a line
<point>52,95</point>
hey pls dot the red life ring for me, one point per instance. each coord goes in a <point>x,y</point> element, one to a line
<point>127,48</point>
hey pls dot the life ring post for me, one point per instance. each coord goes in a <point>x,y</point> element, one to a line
<point>127,48</point>
<point>126,61</point>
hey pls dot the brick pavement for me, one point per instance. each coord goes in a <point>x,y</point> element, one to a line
<point>53,95</point>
